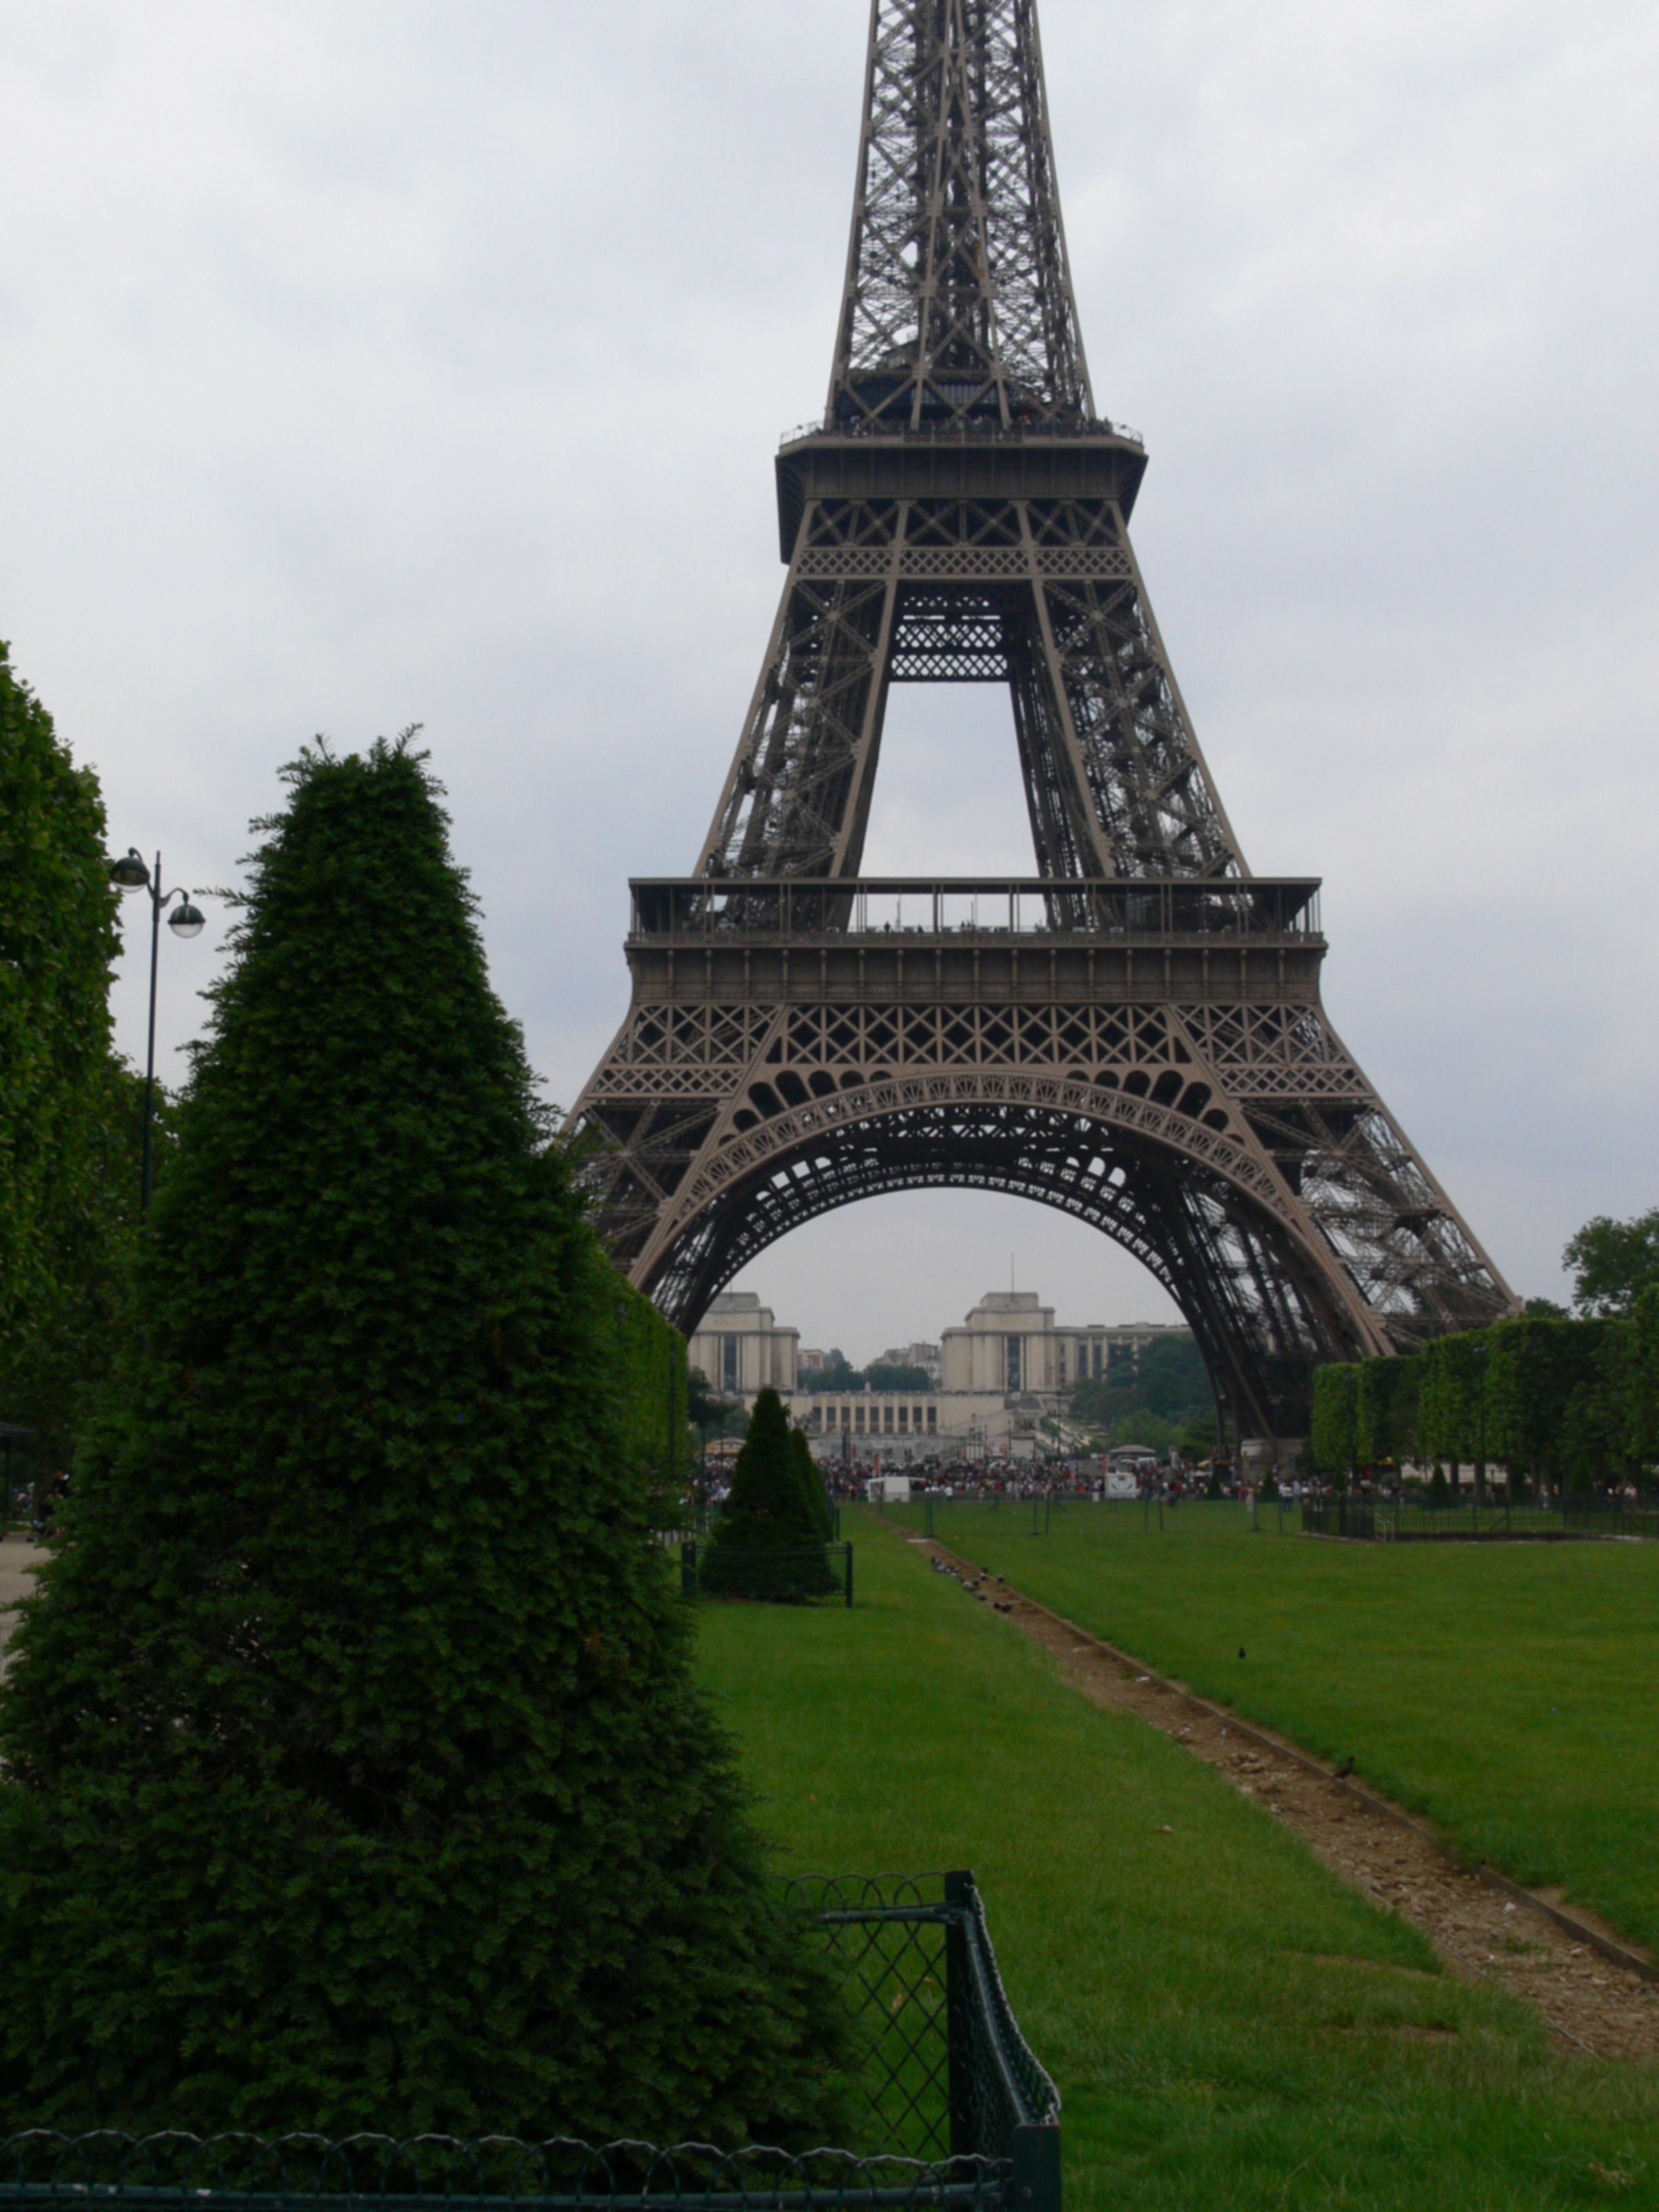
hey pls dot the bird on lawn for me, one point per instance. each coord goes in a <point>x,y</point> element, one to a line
<point>1345,1769</point>
<point>1240,1650</point>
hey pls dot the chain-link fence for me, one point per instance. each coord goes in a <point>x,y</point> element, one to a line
<point>964,2115</point>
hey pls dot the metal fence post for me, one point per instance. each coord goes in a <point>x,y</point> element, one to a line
<point>1036,2179</point>
<point>688,1570</point>
<point>849,1578</point>
<point>959,2015</point>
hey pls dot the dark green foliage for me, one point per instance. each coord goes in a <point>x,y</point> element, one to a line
<point>1169,1381</point>
<point>69,1175</point>
<point>837,1373</point>
<point>1332,1446</point>
<point>811,1483</point>
<point>881,1375</point>
<point>1613,1262</point>
<point>646,1355</point>
<point>1535,1368</point>
<point>1196,1438</point>
<point>1453,1416</point>
<point>357,1777</point>
<point>768,1541</point>
<point>1385,1411</point>
<point>1269,1492</point>
<point>1549,1398</point>
<point>1596,1432</point>
<point>1440,1491</point>
<point>1142,1427</point>
<point>1642,1431</point>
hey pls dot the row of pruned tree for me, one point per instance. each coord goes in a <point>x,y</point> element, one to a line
<point>1547,1397</point>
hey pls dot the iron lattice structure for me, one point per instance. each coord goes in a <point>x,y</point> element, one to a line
<point>1135,1035</point>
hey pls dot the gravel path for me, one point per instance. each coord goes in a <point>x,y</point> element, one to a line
<point>1598,2000</point>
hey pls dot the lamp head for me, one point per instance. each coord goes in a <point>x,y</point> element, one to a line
<point>186,920</point>
<point>129,872</point>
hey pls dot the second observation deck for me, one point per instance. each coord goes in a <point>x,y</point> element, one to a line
<point>699,909</point>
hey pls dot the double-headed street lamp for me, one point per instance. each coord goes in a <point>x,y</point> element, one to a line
<point>186,920</point>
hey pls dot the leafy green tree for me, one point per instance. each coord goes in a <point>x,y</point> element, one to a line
<point>1170,1381</point>
<point>66,1210</point>
<point>1196,1438</point>
<point>1141,1428</point>
<point>1332,1446</point>
<point>1385,1411</point>
<point>766,1541</point>
<point>356,1774</point>
<point>52,1370</point>
<point>1596,1442</point>
<point>1535,1369</point>
<point>837,1373</point>
<point>1613,1262</point>
<point>1453,1411</point>
<point>883,1376</point>
<point>1643,1408</point>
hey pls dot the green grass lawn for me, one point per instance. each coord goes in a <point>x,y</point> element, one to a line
<point>1508,1691</point>
<point>1231,2026</point>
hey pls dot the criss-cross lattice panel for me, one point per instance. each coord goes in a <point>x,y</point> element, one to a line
<point>886,1941</point>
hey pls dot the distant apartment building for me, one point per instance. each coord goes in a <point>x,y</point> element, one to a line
<point>742,1351</point>
<point>1011,1343</point>
<point>926,1356</point>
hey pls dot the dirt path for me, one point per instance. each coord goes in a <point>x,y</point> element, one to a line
<point>1595,1991</point>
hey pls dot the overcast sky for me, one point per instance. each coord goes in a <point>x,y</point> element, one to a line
<point>393,361</point>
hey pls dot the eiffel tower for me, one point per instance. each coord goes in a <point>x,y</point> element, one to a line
<point>1133,1035</point>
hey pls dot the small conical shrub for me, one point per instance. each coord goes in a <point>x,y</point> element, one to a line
<point>356,1775</point>
<point>811,1484</point>
<point>768,1541</point>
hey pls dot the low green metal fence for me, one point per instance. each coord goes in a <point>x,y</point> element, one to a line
<point>791,1574</point>
<point>965,2114</point>
<point>1390,1520</point>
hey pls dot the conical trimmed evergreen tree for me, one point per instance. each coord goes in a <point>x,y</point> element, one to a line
<point>356,1775</point>
<point>811,1484</point>
<point>768,1541</point>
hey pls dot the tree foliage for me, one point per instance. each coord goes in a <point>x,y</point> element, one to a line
<point>1613,1262</point>
<point>69,1178</point>
<point>356,1775</point>
<point>1536,1367</point>
<point>811,1483</point>
<point>1386,1394</point>
<point>1169,1381</point>
<point>767,1540</point>
<point>1332,1443</point>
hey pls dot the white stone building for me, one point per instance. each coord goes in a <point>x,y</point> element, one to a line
<point>1010,1343</point>
<point>742,1351</point>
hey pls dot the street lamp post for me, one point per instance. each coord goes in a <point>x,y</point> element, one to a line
<point>187,919</point>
